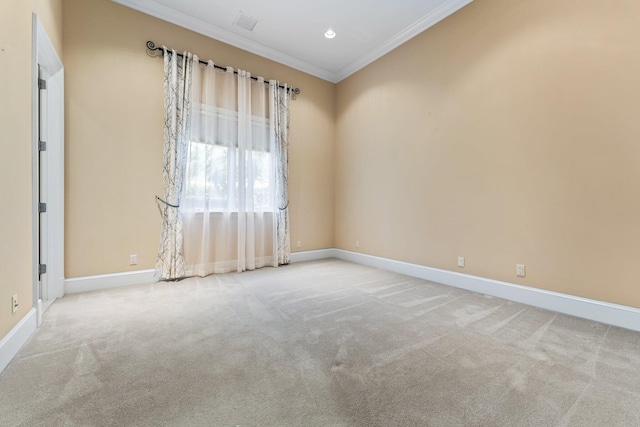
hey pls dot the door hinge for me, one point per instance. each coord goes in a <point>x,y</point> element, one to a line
<point>42,84</point>
<point>42,269</point>
<point>42,146</point>
<point>42,207</point>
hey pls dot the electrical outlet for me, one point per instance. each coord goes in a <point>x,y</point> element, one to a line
<point>520,270</point>
<point>460,261</point>
<point>357,244</point>
<point>299,244</point>
<point>133,259</point>
<point>14,304</point>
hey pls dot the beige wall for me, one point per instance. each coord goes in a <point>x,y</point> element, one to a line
<point>15,145</point>
<point>15,161</point>
<point>508,133</point>
<point>114,111</point>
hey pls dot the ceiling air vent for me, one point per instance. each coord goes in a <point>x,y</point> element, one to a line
<point>245,21</point>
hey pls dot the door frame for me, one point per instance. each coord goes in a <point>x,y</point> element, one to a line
<point>45,57</point>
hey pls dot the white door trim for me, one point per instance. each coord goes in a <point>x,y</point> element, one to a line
<point>45,56</point>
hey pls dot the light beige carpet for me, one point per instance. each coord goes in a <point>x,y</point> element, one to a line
<point>325,343</point>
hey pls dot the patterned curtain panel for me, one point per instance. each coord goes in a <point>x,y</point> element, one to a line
<point>177,122</point>
<point>280,100</point>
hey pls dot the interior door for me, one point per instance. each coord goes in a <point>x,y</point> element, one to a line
<point>47,171</point>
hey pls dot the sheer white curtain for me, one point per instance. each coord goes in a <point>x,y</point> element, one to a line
<point>229,205</point>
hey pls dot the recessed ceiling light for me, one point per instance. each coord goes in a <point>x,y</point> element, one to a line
<point>329,33</point>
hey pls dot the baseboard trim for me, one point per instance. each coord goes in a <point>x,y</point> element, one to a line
<point>600,311</point>
<point>76,285</point>
<point>313,255</point>
<point>17,337</point>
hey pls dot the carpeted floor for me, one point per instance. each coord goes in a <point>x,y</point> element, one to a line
<point>325,343</point>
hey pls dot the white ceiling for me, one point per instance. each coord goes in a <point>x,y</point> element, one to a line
<point>292,31</point>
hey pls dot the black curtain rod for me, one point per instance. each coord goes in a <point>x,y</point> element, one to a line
<point>152,47</point>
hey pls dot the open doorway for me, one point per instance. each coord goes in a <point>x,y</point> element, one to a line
<point>48,171</point>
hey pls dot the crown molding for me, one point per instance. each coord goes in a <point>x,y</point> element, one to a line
<point>447,8</point>
<point>160,11</point>
<point>150,7</point>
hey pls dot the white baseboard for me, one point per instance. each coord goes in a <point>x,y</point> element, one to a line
<point>75,285</point>
<point>313,255</point>
<point>600,311</point>
<point>17,337</point>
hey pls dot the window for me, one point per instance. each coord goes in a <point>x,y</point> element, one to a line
<point>214,178</point>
